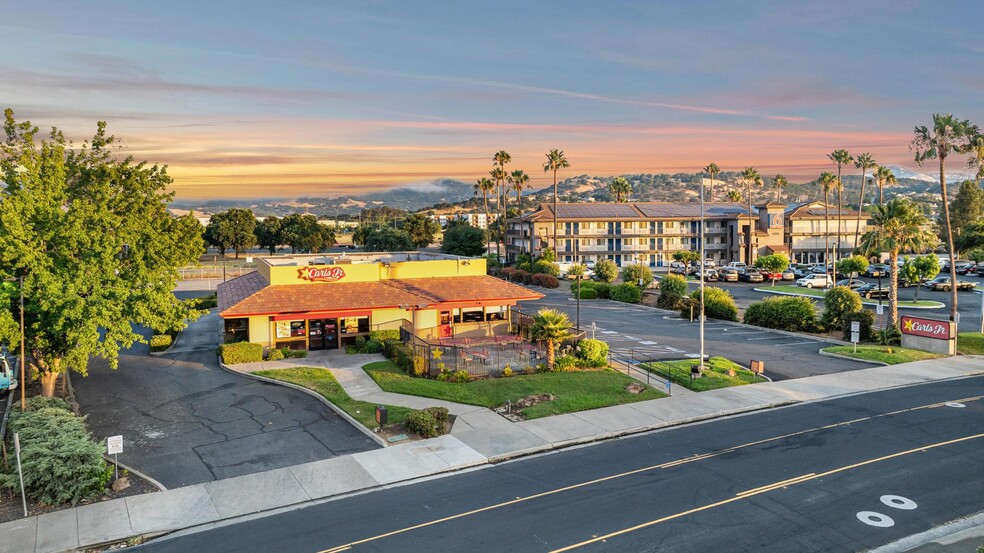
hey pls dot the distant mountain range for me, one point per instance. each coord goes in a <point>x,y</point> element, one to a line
<point>449,194</point>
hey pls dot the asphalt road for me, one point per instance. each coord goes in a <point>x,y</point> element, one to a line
<point>642,333</point>
<point>793,479</point>
<point>184,420</point>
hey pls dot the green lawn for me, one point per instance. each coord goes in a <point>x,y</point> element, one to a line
<point>714,377</point>
<point>818,293</point>
<point>970,343</point>
<point>574,391</point>
<point>322,381</point>
<point>881,353</point>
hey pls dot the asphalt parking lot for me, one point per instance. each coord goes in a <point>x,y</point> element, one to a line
<point>644,333</point>
<point>185,420</point>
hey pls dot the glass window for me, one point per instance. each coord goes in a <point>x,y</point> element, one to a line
<point>471,314</point>
<point>298,328</point>
<point>236,330</point>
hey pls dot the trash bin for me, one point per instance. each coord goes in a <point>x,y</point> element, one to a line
<point>382,415</point>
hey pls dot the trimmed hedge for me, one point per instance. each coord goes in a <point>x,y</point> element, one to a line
<point>627,293</point>
<point>61,462</point>
<point>718,304</point>
<point>545,281</point>
<point>593,352</point>
<point>632,273</point>
<point>384,335</point>
<point>587,293</point>
<point>783,313</point>
<point>546,267</point>
<point>241,352</point>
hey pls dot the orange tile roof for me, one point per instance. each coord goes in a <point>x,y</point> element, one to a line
<point>234,301</point>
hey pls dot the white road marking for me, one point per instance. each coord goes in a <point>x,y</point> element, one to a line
<point>632,338</point>
<point>648,343</point>
<point>899,502</point>
<point>608,332</point>
<point>797,343</point>
<point>748,332</point>
<point>767,338</point>
<point>954,404</point>
<point>872,518</point>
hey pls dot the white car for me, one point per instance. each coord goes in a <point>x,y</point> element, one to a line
<point>816,281</point>
<point>735,265</point>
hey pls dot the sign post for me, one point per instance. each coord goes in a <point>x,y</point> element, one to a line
<point>855,334</point>
<point>20,473</point>
<point>114,446</point>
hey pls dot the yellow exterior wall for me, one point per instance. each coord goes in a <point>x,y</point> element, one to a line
<point>259,330</point>
<point>388,319</point>
<point>439,268</point>
<point>264,271</point>
<point>363,272</point>
<point>372,272</point>
<point>425,318</point>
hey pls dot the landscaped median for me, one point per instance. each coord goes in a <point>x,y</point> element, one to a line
<point>572,390</point>
<point>718,373</point>
<point>889,355</point>
<point>970,343</point>
<point>818,293</point>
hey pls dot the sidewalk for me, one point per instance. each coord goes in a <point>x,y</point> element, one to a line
<point>479,436</point>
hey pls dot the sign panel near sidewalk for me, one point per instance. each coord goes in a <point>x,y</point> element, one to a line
<point>927,328</point>
<point>929,334</point>
<point>114,444</point>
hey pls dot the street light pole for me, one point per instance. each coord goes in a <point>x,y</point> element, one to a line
<point>701,269</point>
<point>580,275</point>
<point>23,365</point>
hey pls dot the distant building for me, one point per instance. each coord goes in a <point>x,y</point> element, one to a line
<point>806,227</point>
<point>651,232</point>
<point>474,219</point>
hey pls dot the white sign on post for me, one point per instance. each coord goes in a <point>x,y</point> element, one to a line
<point>114,444</point>
<point>855,328</point>
<point>855,337</point>
<point>880,310</point>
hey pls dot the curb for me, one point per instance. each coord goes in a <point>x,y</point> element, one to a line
<point>849,358</point>
<point>863,302</point>
<point>132,470</point>
<point>375,437</point>
<point>169,348</point>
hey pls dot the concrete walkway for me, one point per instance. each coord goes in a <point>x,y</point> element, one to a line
<point>478,437</point>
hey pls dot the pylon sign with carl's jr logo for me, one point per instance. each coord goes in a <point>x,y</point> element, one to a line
<point>928,334</point>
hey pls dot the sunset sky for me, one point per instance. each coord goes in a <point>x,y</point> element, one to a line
<point>289,99</point>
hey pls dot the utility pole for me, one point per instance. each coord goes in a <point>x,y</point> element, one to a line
<point>23,365</point>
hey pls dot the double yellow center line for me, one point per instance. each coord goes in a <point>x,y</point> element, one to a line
<point>666,465</point>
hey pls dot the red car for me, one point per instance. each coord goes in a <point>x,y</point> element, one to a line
<point>769,275</point>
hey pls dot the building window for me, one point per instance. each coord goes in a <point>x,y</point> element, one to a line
<point>354,325</point>
<point>236,330</point>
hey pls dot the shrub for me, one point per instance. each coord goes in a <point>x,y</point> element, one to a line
<point>507,273</point>
<point>627,292</point>
<point>672,290</point>
<point>295,353</point>
<point>523,266</point>
<point>507,372</point>
<point>546,267</point>
<point>360,342</point>
<point>889,336</point>
<point>867,320</point>
<point>521,276</point>
<point>418,365</point>
<point>241,352</point>
<point>545,281</point>
<point>390,349</point>
<point>202,303</point>
<point>422,422</point>
<point>565,363</point>
<point>541,368</point>
<point>603,290</point>
<point>606,270</point>
<point>837,302</point>
<point>594,353</point>
<point>275,355</point>
<point>784,313</point>
<point>528,370</point>
<point>587,293</point>
<point>373,346</point>
<point>440,415</point>
<point>718,304</point>
<point>575,270</point>
<point>384,335</point>
<point>160,342</point>
<point>61,463</point>
<point>632,273</point>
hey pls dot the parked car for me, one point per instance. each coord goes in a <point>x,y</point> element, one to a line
<point>735,265</point>
<point>960,265</point>
<point>967,270</point>
<point>710,263</point>
<point>710,275</point>
<point>876,270</point>
<point>769,275</point>
<point>728,275</point>
<point>943,283</point>
<point>872,291</point>
<point>852,284</point>
<point>816,281</point>
<point>788,275</point>
<point>750,275</point>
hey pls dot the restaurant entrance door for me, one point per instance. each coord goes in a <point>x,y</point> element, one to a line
<point>323,334</point>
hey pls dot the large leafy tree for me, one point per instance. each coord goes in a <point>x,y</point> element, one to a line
<point>712,171</point>
<point>421,229</point>
<point>388,239</point>
<point>460,238</point>
<point>775,264</point>
<point>268,233</point>
<point>303,233</point>
<point>840,158</point>
<point>827,180</point>
<point>620,188</point>
<point>966,209</point>
<point>98,251</point>
<point>550,326</point>
<point>864,162</point>
<point>919,269</point>
<point>555,162</point>
<point>234,229</point>
<point>748,177</point>
<point>884,177</point>
<point>948,135</point>
<point>484,187</point>
<point>898,225</point>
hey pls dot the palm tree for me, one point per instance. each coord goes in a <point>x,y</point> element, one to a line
<point>780,182</point>
<point>884,177</point>
<point>840,158</point>
<point>620,187</point>
<point>748,177</point>
<point>734,195</point>
<point>827,180</point>
<point>484,187</point>
<point>555,162</point>
<point>519,179</point>
<point>552,326</point>
<point>712,170</point>
<point>499,175</point>
<point>863,162</point>
<point>948,135</point>
<point>898,226</point>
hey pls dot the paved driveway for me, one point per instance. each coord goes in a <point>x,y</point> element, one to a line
<point>184,420</point>
<point>645,333</point>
